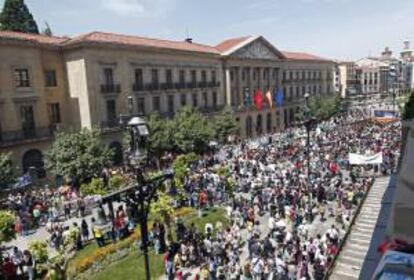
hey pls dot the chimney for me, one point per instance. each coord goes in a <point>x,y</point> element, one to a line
<point>189,40</point>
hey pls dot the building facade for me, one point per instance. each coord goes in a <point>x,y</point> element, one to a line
<point>48,84</point>
<point>385,74</point>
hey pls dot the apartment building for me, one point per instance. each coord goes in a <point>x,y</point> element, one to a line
<point>49,84</point>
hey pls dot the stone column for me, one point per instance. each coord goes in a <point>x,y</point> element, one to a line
<point>239,87</point>
<point>228,86</point>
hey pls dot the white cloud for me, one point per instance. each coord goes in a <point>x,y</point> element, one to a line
<point>124,7</point>
<point>142,8</point>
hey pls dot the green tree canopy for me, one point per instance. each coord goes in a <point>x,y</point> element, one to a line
<point>408,112</point>
<point>17,17</point>
<point>47,30</point>
<point>7,222</point>
<point>161,135</point>
<point>192,131</point>
<point>78,155</point>
<point>325,107</point>
<point>7,175</point>
<point>162,208</point>
<point>225,124</point>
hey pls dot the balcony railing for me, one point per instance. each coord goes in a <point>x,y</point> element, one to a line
<point>165,86</point>
<point>112,123</point>
<point>191,85</point>
<point>111,88</point>
<point>179,85</point>
<point>152,86</point>
<point>12,137</point>
<point>202,84</point>
<point>137,87</point>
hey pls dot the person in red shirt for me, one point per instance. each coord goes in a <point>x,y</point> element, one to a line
<point>9,269</point>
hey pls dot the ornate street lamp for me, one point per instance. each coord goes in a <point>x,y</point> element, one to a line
<point>140,195</point>
<point>309,123</point>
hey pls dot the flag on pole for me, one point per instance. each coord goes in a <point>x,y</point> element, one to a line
<point>279,97</point>
<point>247,99</point>
<point>269,98</point>
<point>258,99</point>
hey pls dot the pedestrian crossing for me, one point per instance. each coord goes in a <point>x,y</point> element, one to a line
<point>349,263</point>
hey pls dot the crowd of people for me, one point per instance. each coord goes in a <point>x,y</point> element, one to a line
<point>285,222</point>
<point>288,209</point>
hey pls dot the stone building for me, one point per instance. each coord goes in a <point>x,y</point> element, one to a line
<point>49,84</point>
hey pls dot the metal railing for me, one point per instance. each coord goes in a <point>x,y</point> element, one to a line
<point>111,88</point>
<point>12,137</point>
<point>138,87</point>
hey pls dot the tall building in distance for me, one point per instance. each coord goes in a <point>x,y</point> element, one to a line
<point>49,84</point>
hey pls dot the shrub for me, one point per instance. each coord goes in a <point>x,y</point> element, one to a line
<point>181,165</point>
<point>39,251</point>
<point>116,182</point>
<point>7,222</point>
<point>95,187</point>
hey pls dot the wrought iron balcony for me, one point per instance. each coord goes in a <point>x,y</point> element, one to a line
<point>202,84</point>
<point>137,87</point>
<point>191,85</point>
<point>111,124</point>
<point>111,88</point>
<point>167,86</point>
<point>35,133</point>
<point>152,86</point>
<point>179,85</point>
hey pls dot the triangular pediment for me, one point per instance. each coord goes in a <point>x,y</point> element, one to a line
<point>257,48</point>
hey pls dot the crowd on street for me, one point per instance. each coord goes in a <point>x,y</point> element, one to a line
<point>293,219</point>
<point>288,209</point>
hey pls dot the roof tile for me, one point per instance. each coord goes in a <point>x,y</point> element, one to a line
<point>126,40</point>
<point>302,56</point>
<point>34,38</point>
<point>230,43</point>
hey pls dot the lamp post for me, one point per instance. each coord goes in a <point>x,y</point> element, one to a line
<point>309,124</point>
<point>140,195</point>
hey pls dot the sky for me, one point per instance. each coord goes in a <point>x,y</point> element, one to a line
<point>336,29</point>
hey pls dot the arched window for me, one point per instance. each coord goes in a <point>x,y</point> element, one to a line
<point>259,129</point>
<point>117,157</point>
<point>269,123</point>
<point>249,126</point>
<point>33,160</point>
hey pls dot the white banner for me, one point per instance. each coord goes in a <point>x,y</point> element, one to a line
<point>365,159</point>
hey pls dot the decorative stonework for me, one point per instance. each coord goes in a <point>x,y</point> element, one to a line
<point>256,50</point>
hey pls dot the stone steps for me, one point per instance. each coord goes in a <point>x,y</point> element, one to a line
<point>353,254</point>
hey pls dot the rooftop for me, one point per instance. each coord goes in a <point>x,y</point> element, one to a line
<point>105,38</point>
<point>126,40</point>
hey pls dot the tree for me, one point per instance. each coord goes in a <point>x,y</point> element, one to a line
<point>95,187</point>
<point>408,112</point>
<point>163,208</point>
<point>192,131</point>
<point>7,175</point>
<point>17,17</point>
<point>225,125</point>
<point>47,30</point>
<point>7,222</point>
<point>325,107</point>
<point>181,165</point>
<point>161,137</point>
<point>78,155</point>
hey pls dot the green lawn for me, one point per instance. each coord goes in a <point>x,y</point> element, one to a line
<point>211,216</point>
<point>132,267</point>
